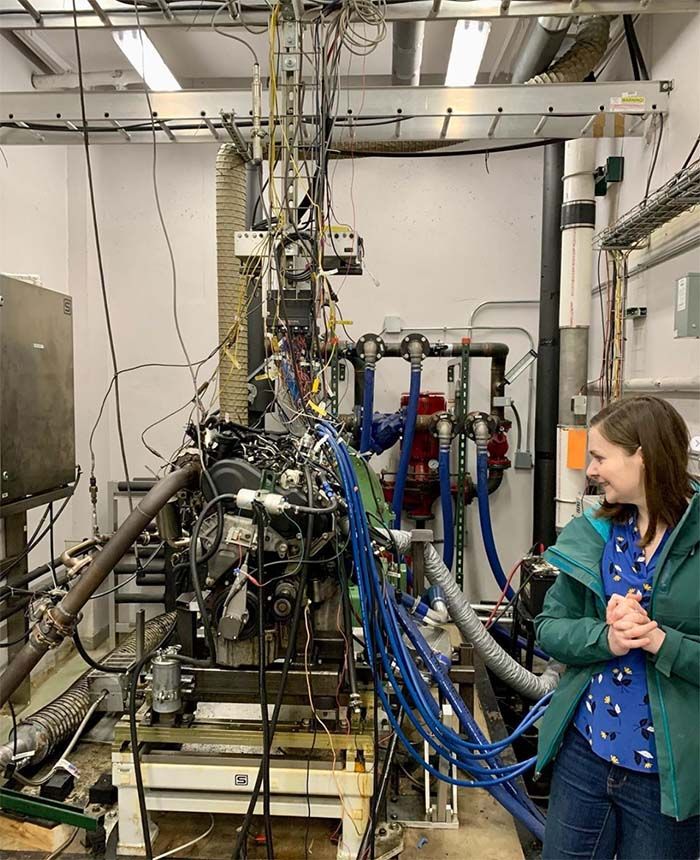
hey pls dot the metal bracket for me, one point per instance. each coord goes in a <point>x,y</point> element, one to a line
<point>228,121</point>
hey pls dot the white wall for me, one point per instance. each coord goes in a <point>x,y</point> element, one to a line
<point>670,44</point>
<point>441,236</point>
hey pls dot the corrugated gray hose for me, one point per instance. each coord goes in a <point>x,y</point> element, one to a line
<point>470,626</point>
<point>56,722</point>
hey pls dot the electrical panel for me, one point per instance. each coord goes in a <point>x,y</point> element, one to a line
<point>37,429</point>
<point>686,318</point>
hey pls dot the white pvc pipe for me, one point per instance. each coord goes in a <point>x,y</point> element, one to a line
<point>577,242</point>
<point>677,384</point>
<point>118,78</point>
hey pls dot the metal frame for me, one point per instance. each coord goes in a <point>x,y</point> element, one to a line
<point>678,195</point>
<point>221,783</point>
<point>570,110</point>
<point>109,15</point>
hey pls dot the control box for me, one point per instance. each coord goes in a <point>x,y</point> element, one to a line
<point>686,317</point>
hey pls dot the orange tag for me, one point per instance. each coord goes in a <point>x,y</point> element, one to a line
<point>576,449</point>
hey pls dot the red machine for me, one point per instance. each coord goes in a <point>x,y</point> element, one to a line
<point>422,483</point>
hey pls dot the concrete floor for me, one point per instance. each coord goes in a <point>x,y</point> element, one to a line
<point>486,831</point>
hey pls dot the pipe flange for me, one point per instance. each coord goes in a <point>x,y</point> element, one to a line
<point>370,347</point>
<point>476,418</point>
<point>442,424</point>
<point>415,346</point>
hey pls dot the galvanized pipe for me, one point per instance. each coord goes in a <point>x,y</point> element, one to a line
<point>59,621</point>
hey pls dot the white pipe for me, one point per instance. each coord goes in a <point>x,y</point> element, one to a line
<point>118,78</point>
<point>577,241</point>
<point>673,384</point>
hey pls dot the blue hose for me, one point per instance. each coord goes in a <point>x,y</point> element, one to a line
<point>448,524</point>
<point>482,492</point>
<point>406,444</point>
<point>381,618</point>
<point>367,411</point>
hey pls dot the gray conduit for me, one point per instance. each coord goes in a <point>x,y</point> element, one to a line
<point>469,625</point>
<point>44,730</point>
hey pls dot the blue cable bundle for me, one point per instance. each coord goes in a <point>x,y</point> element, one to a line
<point>385,623</point>
<point>448,523</point>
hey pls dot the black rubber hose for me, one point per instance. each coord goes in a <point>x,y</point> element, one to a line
<point>629,29</point>
<point>101,667</point>
<point>289,655</point>
<point>194,561</point>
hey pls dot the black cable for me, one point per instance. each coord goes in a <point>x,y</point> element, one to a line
<point>217,501</point>
<point>439,153</point>
<point>639,66</point>
<point>691,153</point>
<point>629,38</point>
<point>289,655</point>
<point>35,540</point>
<point>265,717</point>
<point>15,641</point>
<point>100,667</point>
<point>98,251</point>
<point>14,727</point>
<point>133,734</point>
<point>655,157</point>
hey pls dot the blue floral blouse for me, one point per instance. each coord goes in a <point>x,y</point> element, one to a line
<point>614,714</point>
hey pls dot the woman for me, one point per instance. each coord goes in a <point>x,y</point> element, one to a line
<point>624,616</point>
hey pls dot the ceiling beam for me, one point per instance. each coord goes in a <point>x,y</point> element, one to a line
<point>46,57</point>
<point>415,10</point>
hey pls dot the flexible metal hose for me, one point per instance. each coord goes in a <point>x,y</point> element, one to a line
<point>469,625</point>
<point>582,57</point>
<point>54,723</point>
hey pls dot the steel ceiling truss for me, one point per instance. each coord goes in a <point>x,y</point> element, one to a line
<point>50,15</point>
<point>449,115</point>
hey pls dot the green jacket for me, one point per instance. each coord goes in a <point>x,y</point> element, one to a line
<point>572,629</point>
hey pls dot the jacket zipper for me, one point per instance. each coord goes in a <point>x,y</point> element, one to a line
<point>554,551</point>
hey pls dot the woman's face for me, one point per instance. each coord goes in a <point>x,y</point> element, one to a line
<point>620,475</point>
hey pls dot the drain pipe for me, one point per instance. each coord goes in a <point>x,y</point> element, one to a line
<point>547,390</point>
<point>577,225</point>
<point>407,53</point>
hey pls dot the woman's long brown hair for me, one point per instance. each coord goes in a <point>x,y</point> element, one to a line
<point>653,425</point>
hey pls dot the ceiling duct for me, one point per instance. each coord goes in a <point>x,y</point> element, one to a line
<point>407,53</point>
<point>582,57</point>
<point>540,48</point>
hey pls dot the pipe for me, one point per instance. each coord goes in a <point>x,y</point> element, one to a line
<point>59,621</point>
<point>370,353</point>
<point>547,391</point>
<point>540,47</point>
<point>406,442</point>
<point>47,727</point>
<point>670,384</point>
<point>117,78</point>
<point>445,428</point>
<point>231,282</point>
<point>482,494</point>
<point>497,352</point>
<point>448,527</point>
<point>407,53</point>
<point>583,56</point>
<point>472,629</point>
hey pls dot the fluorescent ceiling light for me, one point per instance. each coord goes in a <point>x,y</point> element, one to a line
<point>468,45</point>
<point>143,56</point>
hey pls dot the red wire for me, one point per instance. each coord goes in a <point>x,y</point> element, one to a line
<point>503,593</point>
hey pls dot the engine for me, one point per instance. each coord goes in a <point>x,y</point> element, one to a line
<point>263,528</point>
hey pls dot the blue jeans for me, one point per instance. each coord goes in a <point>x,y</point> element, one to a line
<point>599,811</point>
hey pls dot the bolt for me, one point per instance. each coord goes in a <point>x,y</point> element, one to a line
<point>394,816</point>
<point>5,475</point>
<point>382,831</point>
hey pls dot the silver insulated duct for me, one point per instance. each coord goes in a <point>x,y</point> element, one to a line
<point>407,53</point>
